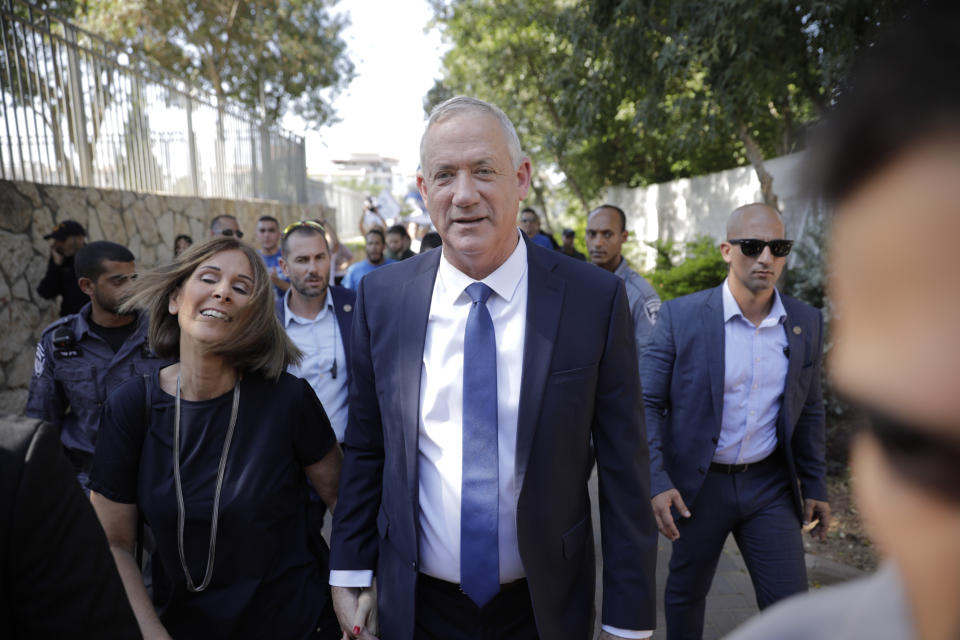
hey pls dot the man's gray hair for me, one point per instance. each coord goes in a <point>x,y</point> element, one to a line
<point>465,103</point>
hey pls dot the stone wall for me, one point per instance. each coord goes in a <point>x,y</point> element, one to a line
<point>145,223</point>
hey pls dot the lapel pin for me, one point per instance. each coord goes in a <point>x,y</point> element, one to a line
<point>347,308</point>
<point>797,331</point>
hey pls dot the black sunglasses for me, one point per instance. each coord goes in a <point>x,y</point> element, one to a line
<point>231,232</point>
<point>752,247</point>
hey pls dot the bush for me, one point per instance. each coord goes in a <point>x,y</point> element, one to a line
<point>702,268</point>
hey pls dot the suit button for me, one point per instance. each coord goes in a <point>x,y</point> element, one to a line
<point>701,470</point>
<point>413,565</point>
<point>715,439</point>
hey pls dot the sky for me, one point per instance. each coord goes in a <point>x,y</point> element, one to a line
<point>381,111</point>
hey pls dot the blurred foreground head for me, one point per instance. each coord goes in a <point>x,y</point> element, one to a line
<point>890,166</point>
<point>892,173</point>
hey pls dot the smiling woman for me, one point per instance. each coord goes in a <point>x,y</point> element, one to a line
<point>211,452</point>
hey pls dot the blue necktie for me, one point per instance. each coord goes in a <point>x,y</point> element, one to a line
<point>479,506</point>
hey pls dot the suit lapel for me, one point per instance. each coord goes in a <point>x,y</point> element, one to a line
<point>544,300</point>
<point>415,296</point>
<point>795,340</point>
<point>344,315</point>
<point>712,322</point>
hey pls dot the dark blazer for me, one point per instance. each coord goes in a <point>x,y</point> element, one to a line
<point>58,578</point>
<point>344,301</point>
<point>682,373</point>
<point>580,381</point>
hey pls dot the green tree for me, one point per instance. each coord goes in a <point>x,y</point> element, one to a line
<point>641,91</point>
<point>270,57</point>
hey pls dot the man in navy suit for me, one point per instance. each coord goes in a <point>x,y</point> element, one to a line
<point>731,385</point>
<point>482,373</point>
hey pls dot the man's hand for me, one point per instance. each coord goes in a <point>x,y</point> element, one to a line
<point>356,611</point>
<point>661,510</point>
<point>55,254</point>
<point>816,510</point>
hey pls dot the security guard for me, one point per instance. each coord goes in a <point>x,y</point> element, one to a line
<point>83,356</point>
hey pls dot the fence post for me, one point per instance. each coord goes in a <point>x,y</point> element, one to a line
<point>77,111</point>
<point>192,144</point>
<point>300,171</point>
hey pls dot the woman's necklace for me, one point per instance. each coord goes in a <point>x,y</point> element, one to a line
<point>181,512</point>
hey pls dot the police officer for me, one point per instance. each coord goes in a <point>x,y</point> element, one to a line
<point>83,356</point>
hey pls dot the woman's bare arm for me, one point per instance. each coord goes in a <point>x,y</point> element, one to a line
<point>119,522</point>
<point>325,476</point>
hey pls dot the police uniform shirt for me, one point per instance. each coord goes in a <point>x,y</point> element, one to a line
<point>74,371</point>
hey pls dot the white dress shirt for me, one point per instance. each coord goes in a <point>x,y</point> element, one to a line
<point>440,456</point>
<point>755,373</point>
<point>322,344</point>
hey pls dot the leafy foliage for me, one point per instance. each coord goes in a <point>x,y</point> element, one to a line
<point>702,268</point>
<point>641,91</point>
<point>267,56</point>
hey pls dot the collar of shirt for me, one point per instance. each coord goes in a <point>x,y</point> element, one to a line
<point>451,282</point>
<point>623,269</point>
<point>289,316</point>
<point>82,326</point>
<point>731,308</point>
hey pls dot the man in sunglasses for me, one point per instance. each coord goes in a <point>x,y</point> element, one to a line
<point>891,171</point>
<point>735,419</point>
<point>225,225</point>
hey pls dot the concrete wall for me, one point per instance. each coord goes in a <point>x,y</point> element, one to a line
<point>683,209</point>
<point>145,223</point>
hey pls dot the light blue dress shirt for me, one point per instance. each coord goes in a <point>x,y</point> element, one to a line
<point>321,343</point>
<point>755,372</point>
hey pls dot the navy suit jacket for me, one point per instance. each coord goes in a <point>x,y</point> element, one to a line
<point>580,382</point>
<point>682,373</point>
<point>343,302</point>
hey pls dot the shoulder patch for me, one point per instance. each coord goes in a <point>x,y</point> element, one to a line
<point>39,360</point>
<point>652,308</point>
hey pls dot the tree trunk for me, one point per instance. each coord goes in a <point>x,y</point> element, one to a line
<point>538,196</point>
<point>756,159</point>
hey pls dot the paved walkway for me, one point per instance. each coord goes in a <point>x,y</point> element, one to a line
<point>731,600</point>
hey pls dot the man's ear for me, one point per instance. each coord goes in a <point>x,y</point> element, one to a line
<point>725,249</point>
<point>86,285</point>
<point>283,266</point>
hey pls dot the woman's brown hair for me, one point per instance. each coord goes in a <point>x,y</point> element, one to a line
<point>259,343</point>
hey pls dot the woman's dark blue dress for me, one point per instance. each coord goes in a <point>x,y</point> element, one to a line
<point>267,582</point>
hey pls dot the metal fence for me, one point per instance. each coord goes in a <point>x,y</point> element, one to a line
<point>78,110</point>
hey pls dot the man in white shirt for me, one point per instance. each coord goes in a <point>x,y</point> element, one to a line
<point>468,454</point>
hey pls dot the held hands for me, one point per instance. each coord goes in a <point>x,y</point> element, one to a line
<point>356,610</point>
<point>661,510</point>
<point>816,517</point>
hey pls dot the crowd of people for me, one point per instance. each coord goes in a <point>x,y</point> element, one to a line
<point>448,409</point>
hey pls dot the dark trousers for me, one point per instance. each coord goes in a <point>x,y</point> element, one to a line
<point>757,506</point>
<point>446,613</point>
